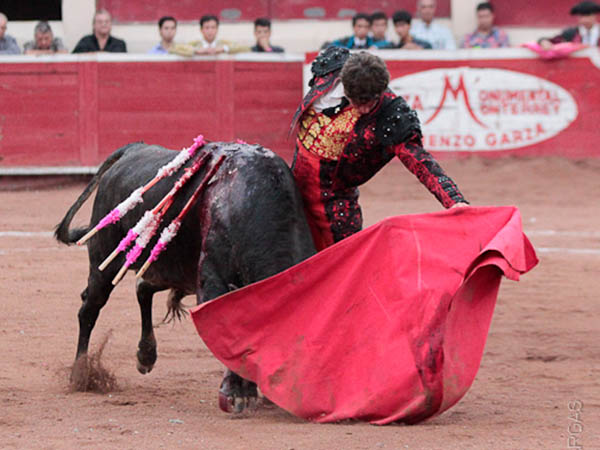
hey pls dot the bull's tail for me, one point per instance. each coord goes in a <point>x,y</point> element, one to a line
<point>62,233</point>
<point>175,310</point>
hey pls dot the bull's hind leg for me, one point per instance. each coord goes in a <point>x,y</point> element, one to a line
<point>146,354</point>
<point>94,297</point>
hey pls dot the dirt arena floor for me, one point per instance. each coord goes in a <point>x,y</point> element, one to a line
<point>541,364</point>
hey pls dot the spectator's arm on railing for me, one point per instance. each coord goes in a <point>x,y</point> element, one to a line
<point>188,49</point>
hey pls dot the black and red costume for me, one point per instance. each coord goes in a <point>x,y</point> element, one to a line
<point>337,150</point>
<point>572,34</point>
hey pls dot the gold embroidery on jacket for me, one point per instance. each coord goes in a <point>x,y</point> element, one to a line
<point>325,136</point>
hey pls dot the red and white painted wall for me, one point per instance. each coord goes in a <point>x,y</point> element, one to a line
<point>74,110</point>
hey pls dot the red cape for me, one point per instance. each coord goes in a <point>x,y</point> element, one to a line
<point>387,325</point>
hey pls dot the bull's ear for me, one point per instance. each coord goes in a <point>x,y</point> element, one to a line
<point>232,287</point>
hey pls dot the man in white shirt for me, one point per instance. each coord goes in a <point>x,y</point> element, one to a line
<point>427,30</point>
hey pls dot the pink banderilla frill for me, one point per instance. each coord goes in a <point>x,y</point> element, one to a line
<point>147,229</point>
<point>136,196</point>
<point>170,232</point>
<point>129,238</point>
<point>166,236</point>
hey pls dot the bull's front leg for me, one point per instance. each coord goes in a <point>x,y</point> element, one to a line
<point>235,393</point>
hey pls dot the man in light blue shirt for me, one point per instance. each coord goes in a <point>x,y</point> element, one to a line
<point>8,44</point>
<point>167,27</point>
<point>426,29</point>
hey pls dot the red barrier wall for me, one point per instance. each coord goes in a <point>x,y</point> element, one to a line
<point>76,113</point>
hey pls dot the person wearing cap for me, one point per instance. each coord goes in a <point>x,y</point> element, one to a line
<point>587,32</point>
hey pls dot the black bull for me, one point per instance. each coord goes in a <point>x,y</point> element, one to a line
<point>247,225</point>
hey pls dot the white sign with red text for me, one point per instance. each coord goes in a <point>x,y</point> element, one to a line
<point>469,109</point>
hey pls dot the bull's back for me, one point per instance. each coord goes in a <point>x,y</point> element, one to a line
<point>257,215</point>
<point>249,219</point>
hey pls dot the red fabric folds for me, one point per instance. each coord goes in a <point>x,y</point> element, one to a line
<point>387,325</point>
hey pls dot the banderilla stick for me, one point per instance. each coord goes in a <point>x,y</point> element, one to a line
<point>136,196</point>
<point>156,214</point>
<point>169,233</point>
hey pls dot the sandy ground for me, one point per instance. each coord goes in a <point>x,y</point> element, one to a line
<point>542,355</point>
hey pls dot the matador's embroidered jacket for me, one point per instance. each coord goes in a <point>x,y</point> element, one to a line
<point>337,150</point>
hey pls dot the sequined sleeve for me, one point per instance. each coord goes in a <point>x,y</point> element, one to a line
<point>424,166</point>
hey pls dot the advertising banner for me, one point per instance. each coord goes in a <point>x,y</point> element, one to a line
<point>499,102</point>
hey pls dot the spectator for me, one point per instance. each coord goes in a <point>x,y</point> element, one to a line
<point>361,24</point>
<point>100,40</point>
<point>8,44</point>
<point>209,44</point>
<point>167,27</point>
<point>262,33</point>
<point>427,30</point>
<point>379,26</point>
<point>44,42</point>
<point>587,32</point>
<point>486,35</point>
<point>402,21</point>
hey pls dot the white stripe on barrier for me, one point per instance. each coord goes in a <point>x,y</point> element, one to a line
<point>575,234</point>
<point>572,251</point>
<point>50,170</point>
<point>26,234</point>
<point>582,234</point>
<point>542,250</point>
<point>4,252</point>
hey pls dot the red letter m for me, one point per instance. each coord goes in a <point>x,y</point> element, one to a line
<point>460,88</point>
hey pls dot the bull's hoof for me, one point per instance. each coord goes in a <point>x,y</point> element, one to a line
<point>146,356</point>
<point>144,369</point>
<point>225,403</point>
<point>237,394</point>
<point>80,374</point>
<point>237,405</point>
